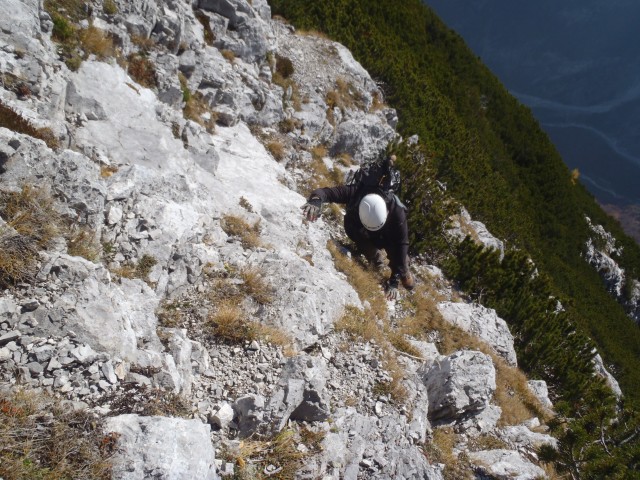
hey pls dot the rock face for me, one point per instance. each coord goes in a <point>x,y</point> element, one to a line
<point>600,252</point>
<point>460,385</point>
<point>154,187</point>
<point>161,446</point>
<point>484,323</point>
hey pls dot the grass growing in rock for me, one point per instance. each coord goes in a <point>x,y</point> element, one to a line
<point>140,269</point>
<point>276,457</point>
<point>441,450</point>
<point>142,70</point>
<point>31,224</point>
<point>42,439</point>
<point>372,323</point>
<point>234,293</point>
<point>75,44</point>
<point>12,120</point>
<point>146,401</point>
<point>235,226</point>
<point>512,392</point>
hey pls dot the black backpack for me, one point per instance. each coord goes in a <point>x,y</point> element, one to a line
<point>376,177</point>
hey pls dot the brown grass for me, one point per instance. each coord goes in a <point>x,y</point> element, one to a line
<point>377,103</point>
<point>31,213</point>
<point>140,270</point>
<point>18,258</point>
<point>83,242</point>
<point>277,149</point>
<point>97,42</point>
<point>41,439</point>
<point>231,324</point>
<point>209,36</point>
<point>253,457</point>
<point>145,401</point>
<point>235,226</point>
<point>142,70</point>
<point>12,120</point>
<point>365,283</point>
<point>344,96</point>
<point>256,285</point>
<point>145,44</point>
<point>107,170</point>
<point>109,7</point>
<point>197,108</point>
<point>512,392</point>
<point>441,450</point>
<point>229,55</point>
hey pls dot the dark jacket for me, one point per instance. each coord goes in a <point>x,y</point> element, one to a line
<point>393,237</point>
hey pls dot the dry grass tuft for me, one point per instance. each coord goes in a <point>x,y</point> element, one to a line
<point>229,55</point>
<point>109,7</point>
<point>230,323</point>
<point>441,450</point>
<point>256,285</point>
<point>197,108</point>
<point>209,36</point>
<point>145,401</point>
<point>357,323</point>
<point>96,42</point>
<point>277,149</point>
<point>142,70</point>
<point>140,270</point>
<point>13,121</point>
<point>31,213</point>
<point>235,226</point>
<point>18,258</point>
<point>39,438</point>
<point>254,458</point>
<point>107,170</point>
<point>365,283</point>
<point>344,96</point>
<point>83,242</point>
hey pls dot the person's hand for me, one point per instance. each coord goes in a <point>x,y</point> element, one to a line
<point>312,209</point>
<point>391,289</point>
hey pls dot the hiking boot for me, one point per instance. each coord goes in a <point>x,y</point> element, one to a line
<point>408,281</point>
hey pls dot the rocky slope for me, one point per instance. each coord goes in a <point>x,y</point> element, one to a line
<point>193,227</point>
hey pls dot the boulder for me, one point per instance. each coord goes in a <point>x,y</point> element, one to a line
<point>505,465</point>
<point>301,392</point>
<point>459,385</point>
<point>483,323</point>
<point>161,447</point>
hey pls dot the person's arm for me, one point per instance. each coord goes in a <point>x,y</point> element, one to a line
<point>340,194</point>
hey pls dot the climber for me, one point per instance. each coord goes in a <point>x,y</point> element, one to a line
<point>375,218</point>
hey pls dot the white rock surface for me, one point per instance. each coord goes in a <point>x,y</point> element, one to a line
<point>483,323</point>
<point>161,447</point>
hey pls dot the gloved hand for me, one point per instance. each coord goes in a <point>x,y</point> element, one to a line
<point>391,289</point>
<point>312,209</point>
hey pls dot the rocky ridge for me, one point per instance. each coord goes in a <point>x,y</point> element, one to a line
<point>160,191</point>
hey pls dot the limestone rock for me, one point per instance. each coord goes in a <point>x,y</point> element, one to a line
<point>505,465</point>
<point>161,447</point>
<point>483,323</point>
<point>460,385</point>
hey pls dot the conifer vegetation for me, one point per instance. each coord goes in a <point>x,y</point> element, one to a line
<point>481,147</point>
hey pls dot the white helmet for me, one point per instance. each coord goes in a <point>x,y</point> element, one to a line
<point>373,211</point>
